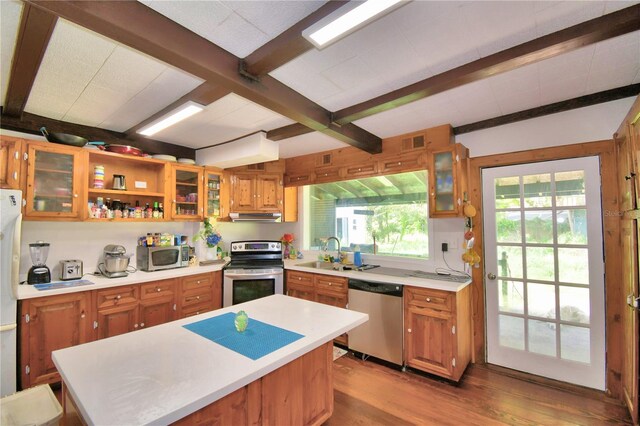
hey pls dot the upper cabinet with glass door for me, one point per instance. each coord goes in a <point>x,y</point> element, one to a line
<point>187,203</point>
<point>448,181</point>
<point>54,179</point>
<point>216,193</point>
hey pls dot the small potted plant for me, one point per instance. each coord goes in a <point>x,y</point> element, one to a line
<point>211,236</point>
<point>289,251</point>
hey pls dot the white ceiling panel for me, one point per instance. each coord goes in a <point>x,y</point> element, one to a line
<point>168,87</point>
<point>308,144</point>
<point>475,101</point>
<point>562,14</point>
<point>239,27</point>
<point>10,12</point>
<point>228,118</point>
<point>72,59</point>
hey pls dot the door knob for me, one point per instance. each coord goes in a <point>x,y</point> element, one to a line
<point>491,276</point>
<point>633,302</point>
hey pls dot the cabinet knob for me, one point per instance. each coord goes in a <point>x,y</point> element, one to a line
<point>428,299</point>
<point>16,155</point>
<point>118,297</point>
<point>198,282</point>
<point>299,278</point>
<point>408,330</point>
<point>197,297</point>
<point>399,163</point>
<point>330,283</point>
<point>135,325</point>
<point>15,175</point>
<point>82,315</point>
<point>141,324</point>
<point>158,289</point>
<point>75,195</point>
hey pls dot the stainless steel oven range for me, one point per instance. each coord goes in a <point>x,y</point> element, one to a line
<point>256,270</point>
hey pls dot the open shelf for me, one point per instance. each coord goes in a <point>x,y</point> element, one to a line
<point>120,192</point>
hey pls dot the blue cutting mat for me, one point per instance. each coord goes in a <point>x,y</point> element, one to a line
<point>61,284</point>
<point>258,340</point>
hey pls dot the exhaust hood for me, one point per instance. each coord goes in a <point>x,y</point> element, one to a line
<point>251,149</point>
<point>255,217</point>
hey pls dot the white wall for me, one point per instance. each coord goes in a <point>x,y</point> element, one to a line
<point>86,240</point>
<point>596,122</point>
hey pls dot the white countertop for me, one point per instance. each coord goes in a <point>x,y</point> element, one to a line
<point>161,374</point>
<point>26,291</point>
<point>371,275</point>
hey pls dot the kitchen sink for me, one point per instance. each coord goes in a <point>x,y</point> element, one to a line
<point>320,265</point>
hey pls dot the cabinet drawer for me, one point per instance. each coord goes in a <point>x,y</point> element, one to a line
<point>195,298</point>
<point>428,298</point>
<point>327,174</point>
<point>330,283</point>
<point>117,296</point>
<point>401,163</point>
<point>197,281</point>
<point>196,310</point>
<point>367,169</point>
<point>157,289</point>
<point>295,278</point>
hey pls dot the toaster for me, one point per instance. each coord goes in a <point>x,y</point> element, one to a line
<point>71,269</point>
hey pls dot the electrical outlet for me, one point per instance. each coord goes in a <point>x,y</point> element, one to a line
<point>445,247</point>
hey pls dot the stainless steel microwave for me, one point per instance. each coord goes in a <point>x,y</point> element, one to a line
<point>165,257</point>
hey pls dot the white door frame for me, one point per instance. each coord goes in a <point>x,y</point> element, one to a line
<point>592,374</point>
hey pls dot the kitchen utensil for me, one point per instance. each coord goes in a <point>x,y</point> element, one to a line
<point>70,269</point>
<point>39,273</point>
<point>116,261</point>
<point>124,149</point>
<point>119,182</point>
<point>164,157</point>
<point>469,210</point>
<point>63,138</point>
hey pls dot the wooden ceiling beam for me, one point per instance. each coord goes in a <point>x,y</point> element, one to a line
<point>204,94</point>
<point>31,123</point>
<point>595,30</point>
<point>142,28</point>
<point>34,33</point>
<point>286,132</point>
<point>569,104</point>
<point>288,45</point>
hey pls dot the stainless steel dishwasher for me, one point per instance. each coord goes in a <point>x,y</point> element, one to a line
<point>381,336</point>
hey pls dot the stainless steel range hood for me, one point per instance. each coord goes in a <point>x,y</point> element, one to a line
<point>255,217</point>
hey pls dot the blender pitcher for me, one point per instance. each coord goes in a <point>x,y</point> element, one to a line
<point>39,273</point>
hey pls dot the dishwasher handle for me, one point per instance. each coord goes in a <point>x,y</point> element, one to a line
<point>378,288</point>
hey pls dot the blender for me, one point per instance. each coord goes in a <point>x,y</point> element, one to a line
<point>39,273</point>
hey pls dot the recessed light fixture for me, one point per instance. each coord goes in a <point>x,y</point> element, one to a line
<point>184,111</point>
<point>347,19</point>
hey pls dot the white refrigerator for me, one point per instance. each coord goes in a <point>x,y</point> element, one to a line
<point>10,227</point>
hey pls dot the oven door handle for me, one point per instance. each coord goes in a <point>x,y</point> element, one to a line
<point>269,275</point>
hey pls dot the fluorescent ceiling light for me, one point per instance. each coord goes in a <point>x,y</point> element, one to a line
<point>347,22</point>
<point>175,116</point>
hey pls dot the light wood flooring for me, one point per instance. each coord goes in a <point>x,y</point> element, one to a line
<point>367,393</point>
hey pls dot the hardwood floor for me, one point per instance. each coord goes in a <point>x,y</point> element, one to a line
<point>367,393</point>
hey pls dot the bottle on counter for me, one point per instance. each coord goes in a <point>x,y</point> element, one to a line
<point>357,257</point>
<point>149,239</point>
<point>148,211</point>
<point>160,211</point>
<point>155,213</point>
<point>137,212</point>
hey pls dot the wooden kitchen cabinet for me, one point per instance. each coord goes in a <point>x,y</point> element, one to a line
<point>437,334</point>
<point>186,193</point>
<point>300,285</point>
<point>48,324</point>
<point>325,289</point>
<point>628,179</point>
<point>12,158</point>
<point>55,177</point>
<point>448,181</point>
<point>216,193</point>
<point>146,181</point>
<point>200,293</point>
<point>128,308</point>
<point>256,193</point>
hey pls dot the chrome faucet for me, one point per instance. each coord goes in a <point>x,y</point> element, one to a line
<point>326,245</point>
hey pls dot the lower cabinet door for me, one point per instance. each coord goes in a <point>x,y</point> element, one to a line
<point>428,341</point>
<point>157,311</point>
<point>338,300</point>
<point>48,324</point>
<point>301,292</point>
<point>118,320</point>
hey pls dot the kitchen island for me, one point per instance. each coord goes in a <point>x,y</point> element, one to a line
<point>166,373</point>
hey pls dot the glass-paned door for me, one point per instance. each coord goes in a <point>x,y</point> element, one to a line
<point>545,271</point>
